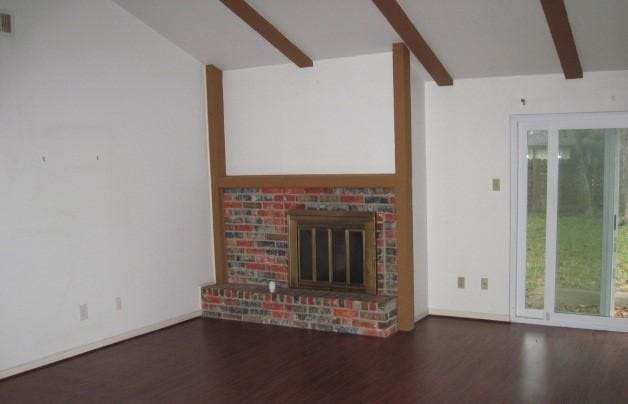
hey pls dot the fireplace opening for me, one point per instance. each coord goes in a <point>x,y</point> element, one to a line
<point>332,250</point>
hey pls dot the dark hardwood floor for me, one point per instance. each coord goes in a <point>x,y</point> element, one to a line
<point>443,360</point>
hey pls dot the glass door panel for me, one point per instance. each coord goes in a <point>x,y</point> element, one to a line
<point>621,245</point>
<point>536,157</point>
<point>572,220</point>
<point>581,251</point>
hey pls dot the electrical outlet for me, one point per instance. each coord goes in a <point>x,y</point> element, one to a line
<point>118,303</point>
<point>461,282</point>
<point>83,312</point>
<point>484,283</point>
<point>496,184</point>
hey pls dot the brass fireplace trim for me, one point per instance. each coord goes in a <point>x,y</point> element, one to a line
<point>350,221</point>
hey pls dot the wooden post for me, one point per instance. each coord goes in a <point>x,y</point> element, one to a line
<point>217,164</point>
<point>403,186</point>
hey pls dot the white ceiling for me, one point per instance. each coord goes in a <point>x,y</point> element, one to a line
<point>472,38</point>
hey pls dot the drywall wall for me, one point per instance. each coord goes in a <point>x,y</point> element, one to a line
<point>336,117</point>
<point>468,139</point>
<point>419,191</point>
<point>103,177</point>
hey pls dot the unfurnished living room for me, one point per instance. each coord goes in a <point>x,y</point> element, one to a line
<point>313,201</point>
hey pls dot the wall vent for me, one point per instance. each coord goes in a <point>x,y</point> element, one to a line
<point>5,23</point>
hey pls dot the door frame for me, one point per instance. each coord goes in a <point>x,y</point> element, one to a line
<point>552,123</point>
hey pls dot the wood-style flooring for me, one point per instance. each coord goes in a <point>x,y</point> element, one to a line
<point>443,360</point>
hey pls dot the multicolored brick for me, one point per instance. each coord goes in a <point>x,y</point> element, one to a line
<point>317,310</point>
<point>256,229</point>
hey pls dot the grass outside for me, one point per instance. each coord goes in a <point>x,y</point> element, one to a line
<point>579,254</point>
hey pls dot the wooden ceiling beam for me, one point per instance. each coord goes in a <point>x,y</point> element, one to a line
<point>267,30</point>
<point>400,22</point>
<point>558,21</point>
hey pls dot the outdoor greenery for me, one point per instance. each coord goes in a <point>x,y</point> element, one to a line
<point>579,266</point>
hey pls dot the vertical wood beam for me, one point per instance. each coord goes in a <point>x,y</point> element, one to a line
<point>403,187</point>
<point>217,164</point>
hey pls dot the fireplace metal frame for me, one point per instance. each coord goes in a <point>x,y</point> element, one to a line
<point>349,221</point>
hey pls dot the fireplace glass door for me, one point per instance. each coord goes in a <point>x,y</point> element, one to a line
<point>332,250</point>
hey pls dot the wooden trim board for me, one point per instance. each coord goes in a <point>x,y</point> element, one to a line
<point>217,165</point>
<point>325,181</point>
<point>403,187</point>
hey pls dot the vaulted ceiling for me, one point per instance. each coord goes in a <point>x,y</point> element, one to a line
<point>472,38</point>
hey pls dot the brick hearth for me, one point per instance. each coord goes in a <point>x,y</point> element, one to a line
<point>318,310</point>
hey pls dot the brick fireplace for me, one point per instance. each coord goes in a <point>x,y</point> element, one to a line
<point>257,252</point>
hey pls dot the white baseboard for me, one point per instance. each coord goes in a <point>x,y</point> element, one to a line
<point>470,314</point>
<point>420,316</point>
<point>59,356</point>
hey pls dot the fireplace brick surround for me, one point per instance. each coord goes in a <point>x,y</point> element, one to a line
<point>256,229</point>
<point>256,242</point>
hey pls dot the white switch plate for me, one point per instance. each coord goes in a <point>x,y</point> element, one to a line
<point>497,184</point>
<point>118,303</point>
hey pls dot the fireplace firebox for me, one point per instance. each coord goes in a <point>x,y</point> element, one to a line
<point>332,250</point>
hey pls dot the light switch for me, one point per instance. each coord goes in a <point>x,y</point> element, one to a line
<point>461,282</point>
<point>496,184</point>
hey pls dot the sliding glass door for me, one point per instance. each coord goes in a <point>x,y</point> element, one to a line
<point>585,236</point>
<point>571,193</point>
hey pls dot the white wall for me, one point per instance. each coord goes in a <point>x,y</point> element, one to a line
<point>468,144</point>
<point>336,117</point>
<point>81,79</point>
<point>419,191</point>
